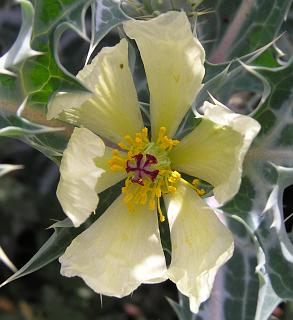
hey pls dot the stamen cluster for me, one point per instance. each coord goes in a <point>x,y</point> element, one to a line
<point>148,167</point>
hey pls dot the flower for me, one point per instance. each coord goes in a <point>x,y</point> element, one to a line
<point>122,249</point>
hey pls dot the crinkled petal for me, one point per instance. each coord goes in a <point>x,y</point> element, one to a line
<point>173,61</point>
<point>215,149</point>
<point>201,244</point>
<point>118,252</point>
<point>111,109</point>
<point>66,101</point>
<point>78,185</point>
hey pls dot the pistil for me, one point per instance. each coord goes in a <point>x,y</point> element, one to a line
<point>148,167</point>
<point>140,165</point>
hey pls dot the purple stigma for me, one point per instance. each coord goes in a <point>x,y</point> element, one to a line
<point>142,167</point>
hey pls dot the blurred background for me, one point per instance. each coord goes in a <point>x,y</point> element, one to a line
<point>28,206</point>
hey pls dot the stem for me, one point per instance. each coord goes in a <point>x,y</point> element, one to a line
<point>221,53</point>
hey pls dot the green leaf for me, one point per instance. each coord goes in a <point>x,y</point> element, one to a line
<point>42,75</point>
<point>38,72</point>
<point>48,140</point>
<point>234,28</point>
<point>258,206</point>
<point>21,48</point>
<point>235,291</point>
<point>50,251</point>
<point>64,233</point>
<point>182,309</point>
<point>106,15</point>
<point>222,81</point>
<point>17,127</point>
<point>274,241</point>
<point>268,171</point>
<point>267,298</point>
<point>4,169</point>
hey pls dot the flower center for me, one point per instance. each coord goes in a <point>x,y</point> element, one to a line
<point>140,165</point>
<point>148,167</point>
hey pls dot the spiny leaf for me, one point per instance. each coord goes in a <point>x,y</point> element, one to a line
<point>106,14</point>
<point>234,28</point>
<point>221,81</point>
<point>236,287</point>
<point>267,300</point>
<point>4,169</point>
<point>274,241</point>
<point>21,49</point>
<point>64,233</point>
<point>258,204</point>
<point>50,251</point>
<point>268,170</point>
<point>34,60</point>
<point>17,127</point>
<point>182,309</point>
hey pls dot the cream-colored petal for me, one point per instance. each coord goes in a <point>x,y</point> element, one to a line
<point>112,110</point>
<point>173,61</point>
<point>81,179</point>
<point>118,252</point>
<point>66,101</point>
<point>215,149</point>
<point>201,244</point>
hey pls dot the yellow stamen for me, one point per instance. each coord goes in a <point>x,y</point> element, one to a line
<point>161,215</point>
<point>200,192</point>
<point>172,189</point>
<point>164,142</point>
<point>196,182</point>
<point>146,189</point>
<point>194,186</point>
<point>117,163</point>
<point>137,144</point>
<point>174,177</point>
